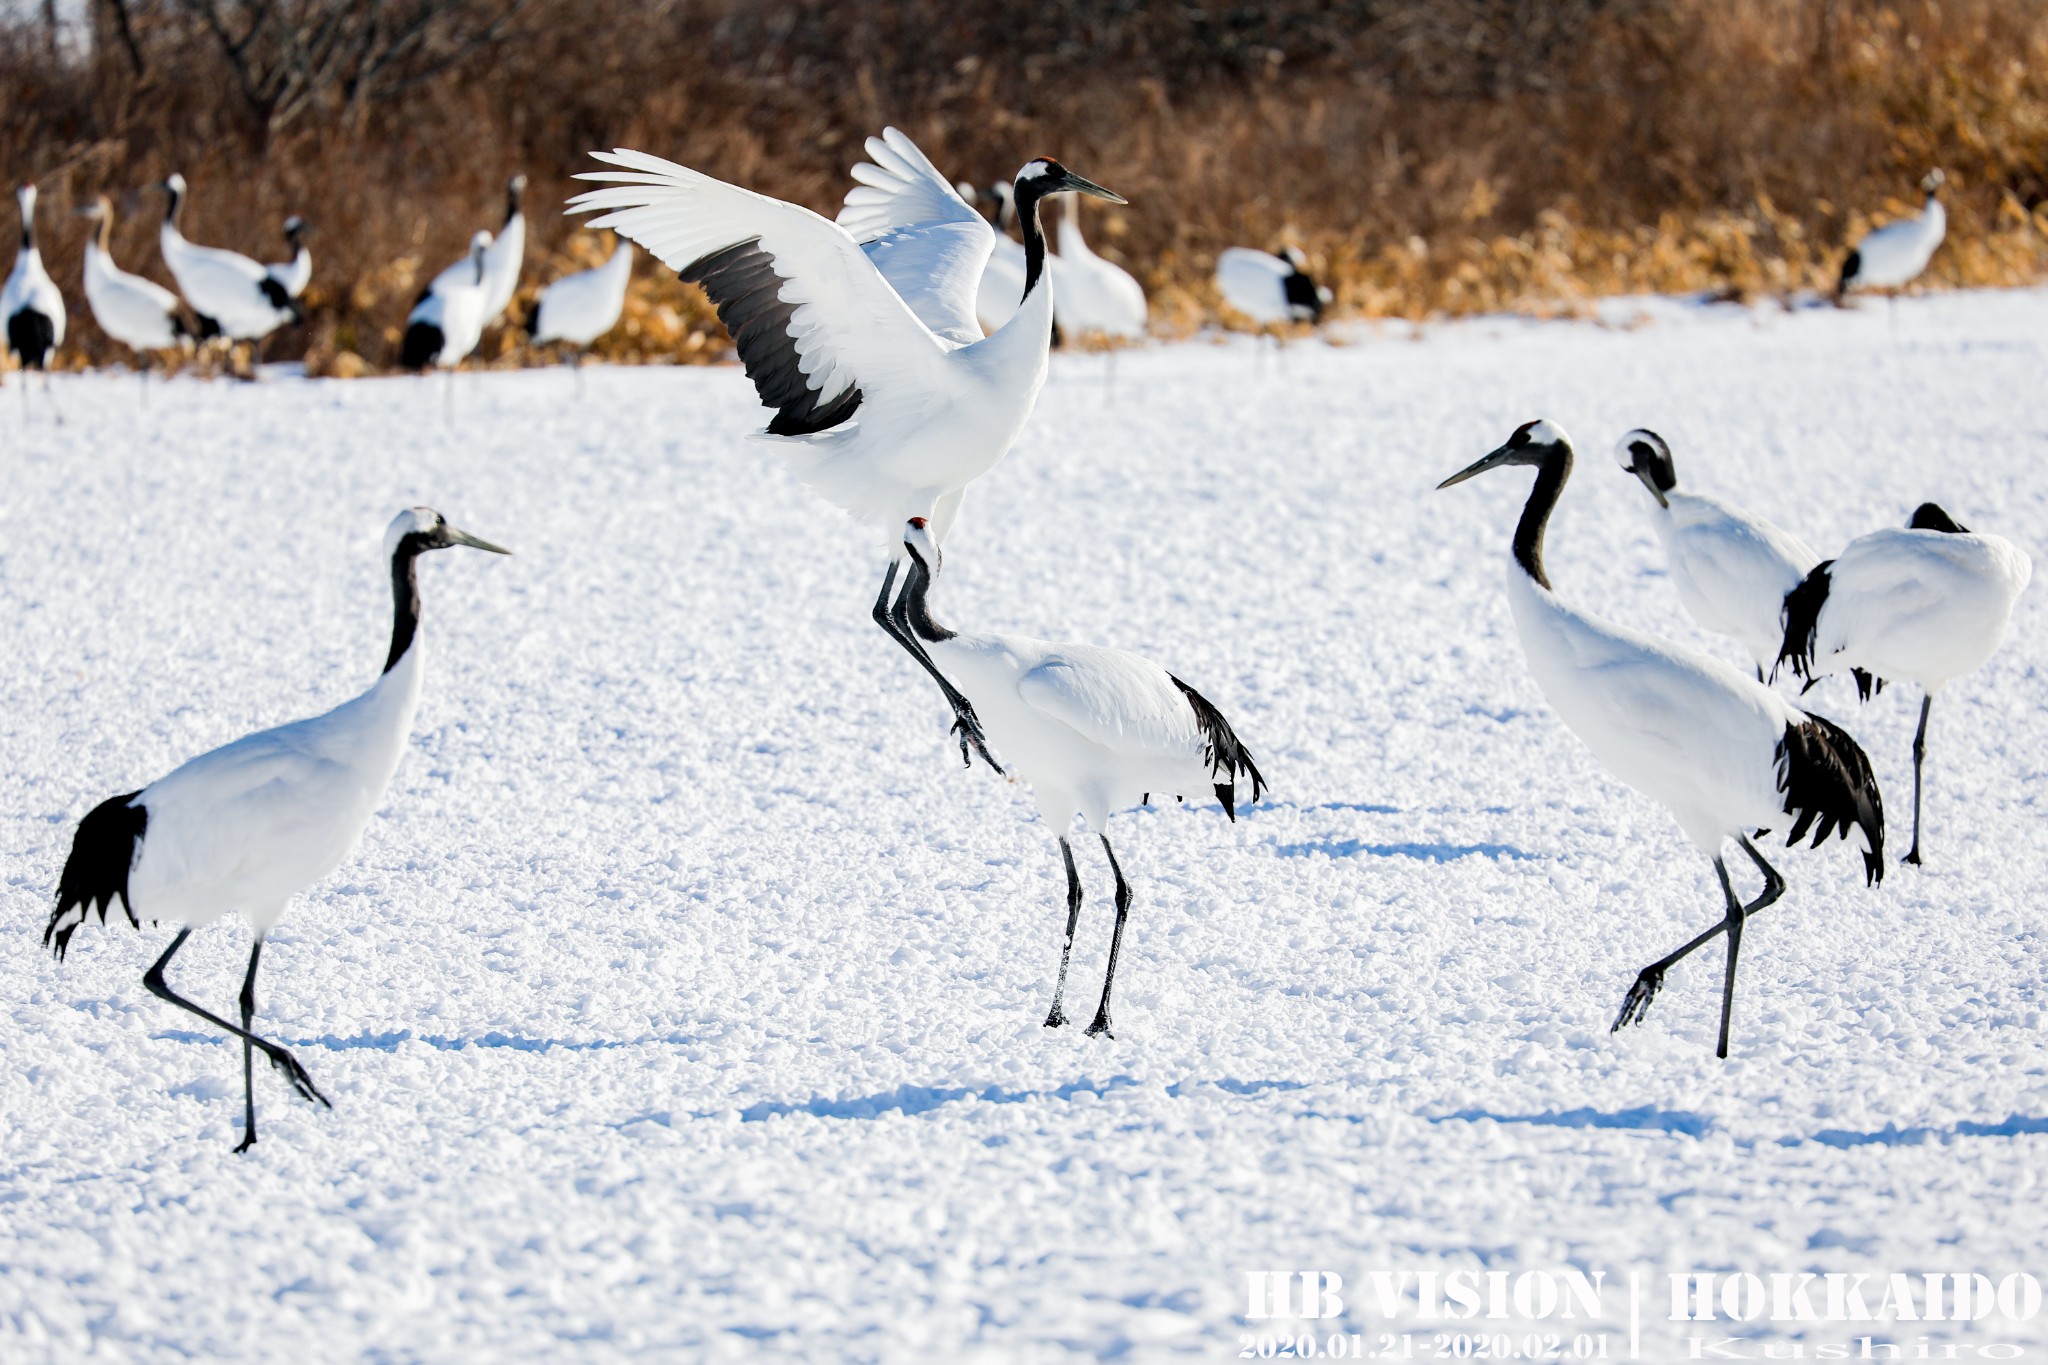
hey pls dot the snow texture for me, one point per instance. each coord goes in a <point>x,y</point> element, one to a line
<point>684,997</point>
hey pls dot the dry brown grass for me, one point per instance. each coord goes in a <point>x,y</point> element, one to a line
<point>1432,156</point>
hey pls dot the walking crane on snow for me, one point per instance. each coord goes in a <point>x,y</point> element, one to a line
<point>1091,730</point>
<point>580,308</point>
<point>1722,752</point>
<point>139,313</point>
<point>31,304</point>
<point>233,297</point>
<point>1270,288</point>
<point>295,274</point>
<point>1893,256</point>
<point>248,826</point>
<point>501,264</point>
<point>1732,568</point>
<point>861,334</point>
<point>1926,604</point>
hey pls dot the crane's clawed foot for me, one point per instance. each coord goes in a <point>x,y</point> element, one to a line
<point>1639,997</point>
<point>968,728</point>
<point>1055,1017</point>
<point>245,1144</point>
<point>1912,856</point>
<point>296,1074</point>
<point>1100,1028</point>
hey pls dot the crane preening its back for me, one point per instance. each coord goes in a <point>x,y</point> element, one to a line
<point>246,827</point>
<point>1270,288</point>
<point>1091,730</point>
<point>1721,751</point>
<point>1732,568</point>
<point>860,334</point>
<point>1926,603</point>
<point>578,309</point>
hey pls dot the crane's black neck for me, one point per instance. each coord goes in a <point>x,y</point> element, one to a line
<point>1027,198</point>
<point>405,596</point>
<point>28,230</point>
<point>916,586</point>
<point>512,202</point>
<point>177,202</point>
<point>1550,477</point>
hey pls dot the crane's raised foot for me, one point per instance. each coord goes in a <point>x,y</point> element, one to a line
<point>1101,1026</point>
<point>293,1072</point>
<point>968,727</point>
<point>1637,1004</point>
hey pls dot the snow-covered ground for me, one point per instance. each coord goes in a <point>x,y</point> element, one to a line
<point>684,997</point>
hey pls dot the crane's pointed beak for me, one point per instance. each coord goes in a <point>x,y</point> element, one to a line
<point>1651,484</point>
<point>1498,457</point>
<point>1082,186</point>
<point>456,537</point>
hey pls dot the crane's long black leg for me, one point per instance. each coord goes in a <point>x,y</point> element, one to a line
<point>895,623</point>
<point>1116,942</point>
<point>1057,1016</point>
<point>1919,756</point>
<point>279,1058</point>
<point>1734,926</point>
<point>249,1050</point>
<point>1651,979</point>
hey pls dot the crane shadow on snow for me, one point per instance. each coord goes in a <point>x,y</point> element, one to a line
<point>1428,853</point>
<point>389,1042</point>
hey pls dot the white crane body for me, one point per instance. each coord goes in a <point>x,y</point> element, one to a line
<point>1732,568</point>
<point>31,305</point>
<point>1722,752</point>
<point>245,828</point>
<point>582,307</point>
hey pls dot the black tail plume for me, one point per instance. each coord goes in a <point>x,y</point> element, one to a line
<point>421,345</point>
<point>103,852</point>
<point>1828,786</point>
<point>1222,751</point>
<point>1802,620</point>
<point>1852,266</point>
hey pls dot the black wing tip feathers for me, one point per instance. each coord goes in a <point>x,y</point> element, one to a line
<point>1223,751</point>
<point>103,852</point>
<point>746,290</point>
<point>1828,786</point>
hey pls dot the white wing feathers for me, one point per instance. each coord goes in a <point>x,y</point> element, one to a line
<point>927,241</point>
<point>844,325</point>
<point>1127,704</point>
